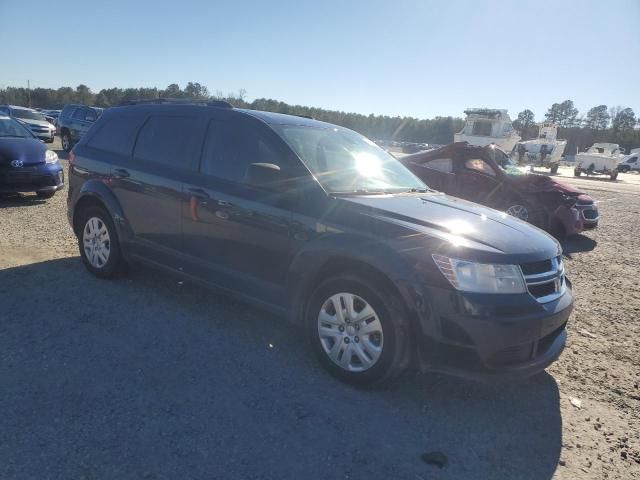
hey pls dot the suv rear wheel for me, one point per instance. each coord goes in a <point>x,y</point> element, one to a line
<point>98,242</point>
<point>66,141</point>
<point>357,332</point>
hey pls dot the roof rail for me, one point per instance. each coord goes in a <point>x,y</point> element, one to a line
<point>187,101</point>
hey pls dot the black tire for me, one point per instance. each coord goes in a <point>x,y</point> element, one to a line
<point>45,195</point>
<point>65,138</point>
<point>624,169</point>
<point>613,175</point>
<point>114,265</point>
<point>554,169</point>
<point>577,173</point>
<point>392,315</point>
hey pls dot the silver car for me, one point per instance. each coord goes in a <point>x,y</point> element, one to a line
<point>33,119</point>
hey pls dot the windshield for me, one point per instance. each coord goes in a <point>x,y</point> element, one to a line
<point>344,161</point>
<point>11,128</point>
<point>505,163</point>
<point>27,114</point>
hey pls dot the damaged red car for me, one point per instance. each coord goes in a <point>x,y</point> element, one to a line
<point>486,175</point>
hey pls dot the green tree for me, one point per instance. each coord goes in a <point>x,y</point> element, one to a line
<point>172,91</point>
<point>564,114</point>
<point>624,120</point>
<point>195,90</point>
<point>597,118</point>
<point>525,123</point>
<point>84,95</point>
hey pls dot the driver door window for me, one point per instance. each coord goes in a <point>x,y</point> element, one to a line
<point>477,181</point>
<point>480,166</point>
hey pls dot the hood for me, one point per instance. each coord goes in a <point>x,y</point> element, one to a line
<point>30,121</point>
<point>30,150</point>
<point>533,183</point>
<point>460,224</point>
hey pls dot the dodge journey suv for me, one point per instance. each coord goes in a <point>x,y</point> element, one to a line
<point>318,223</point>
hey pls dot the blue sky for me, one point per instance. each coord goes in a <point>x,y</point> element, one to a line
<point>402,57</point>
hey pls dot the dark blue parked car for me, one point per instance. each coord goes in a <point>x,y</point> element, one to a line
<point>317,222</point>
<point>26,165</point>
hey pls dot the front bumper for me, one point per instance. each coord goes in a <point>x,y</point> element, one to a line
<point>46,177</point>
<point>43,132</point>
<point>589,215</point>
<point>489,336</point>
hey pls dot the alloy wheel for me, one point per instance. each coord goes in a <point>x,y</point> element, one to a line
<point>96,242</point>
<point>350,332</point>
<point>518,211</point>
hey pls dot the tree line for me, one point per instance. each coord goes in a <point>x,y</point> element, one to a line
<point>600,124</point>
<point>438,130</point>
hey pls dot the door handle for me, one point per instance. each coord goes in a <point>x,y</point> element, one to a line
<point>198,193</point>
<point>121,173</point>
<point>223,203</point>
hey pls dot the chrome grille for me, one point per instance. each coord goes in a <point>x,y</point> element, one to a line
<point>545,284</point>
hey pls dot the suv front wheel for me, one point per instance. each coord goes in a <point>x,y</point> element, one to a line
<point>98,242</point>
<point>357,332</point>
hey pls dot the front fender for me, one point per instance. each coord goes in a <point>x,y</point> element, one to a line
<point>345,249</point>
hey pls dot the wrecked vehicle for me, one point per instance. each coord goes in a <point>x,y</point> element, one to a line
<point>486,175</point>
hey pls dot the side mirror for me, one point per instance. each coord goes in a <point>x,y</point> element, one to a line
<point>265,175</point>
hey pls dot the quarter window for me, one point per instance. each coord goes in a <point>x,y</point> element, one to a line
<point>117,135</point>
<point>444,165</point>
<point>167,139</point>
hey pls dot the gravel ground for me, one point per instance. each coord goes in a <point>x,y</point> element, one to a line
<point>149,378</point>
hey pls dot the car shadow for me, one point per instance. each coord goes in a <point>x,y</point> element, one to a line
<point>154,377</point>
<point>9,200</point>
<point>62,154</point>
<point>577,244</point>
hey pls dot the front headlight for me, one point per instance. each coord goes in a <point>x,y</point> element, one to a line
<point>50,157</point>
<point>481,277</point>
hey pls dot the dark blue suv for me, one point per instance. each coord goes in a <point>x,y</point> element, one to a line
<point>318,223</point>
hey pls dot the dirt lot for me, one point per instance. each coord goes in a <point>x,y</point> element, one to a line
<point>149,378</point>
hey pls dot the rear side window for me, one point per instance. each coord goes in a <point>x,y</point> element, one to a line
<point>79,114</point>
<point>117,134</point>
<point>230,147</point>
<point>167,139</point>
<point>67,112</point>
